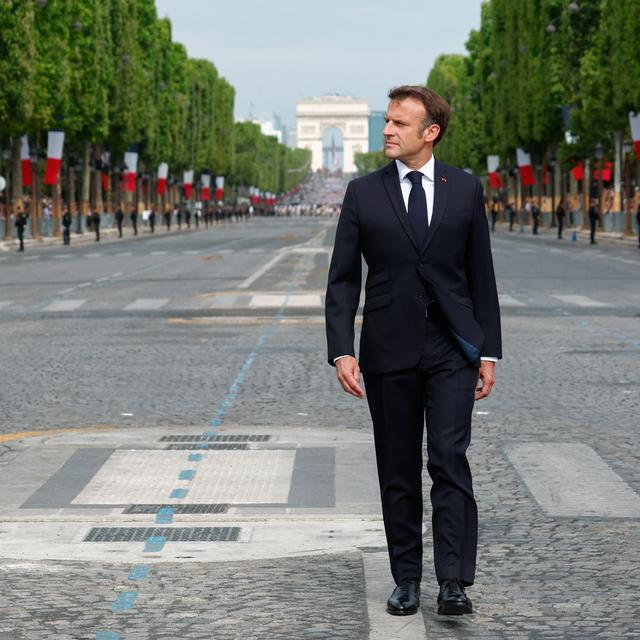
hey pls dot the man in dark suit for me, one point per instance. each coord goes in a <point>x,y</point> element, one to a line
<point>430,338</point>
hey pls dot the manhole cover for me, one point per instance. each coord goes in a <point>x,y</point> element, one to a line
<point>210,445</point>
<point>170,534</point>
<point>216,438</point>
<point>178,508</point>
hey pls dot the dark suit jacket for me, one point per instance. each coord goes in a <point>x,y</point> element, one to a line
<point>452,269</point>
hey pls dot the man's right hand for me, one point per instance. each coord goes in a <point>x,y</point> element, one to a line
<point>348,372</point>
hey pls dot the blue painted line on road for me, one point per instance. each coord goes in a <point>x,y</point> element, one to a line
<point>178,494</point>
<point>165,515</point>
<point>236,386</point>
<point>187,474</point>
<point>139,572</point>
<point>154,543</point>
<point>108,635</point>
<point>195,457</point>
<point>124,601</point>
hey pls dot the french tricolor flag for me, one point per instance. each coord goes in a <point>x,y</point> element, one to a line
<point>131,163</point>
<point>163,172</point>
<point>493,162</point>
<point>525,168</point>
<point>187,180</point>
<point>105,157</point>
<point>577,171</point>
<point>25,162</point>
<point>219,188</point>
<point>55,144</point>
<point>634,123</point>
<point>205,193</point>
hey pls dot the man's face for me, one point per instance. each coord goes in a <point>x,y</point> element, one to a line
<point>405,135</point>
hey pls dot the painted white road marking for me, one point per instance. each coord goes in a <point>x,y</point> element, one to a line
<point>509,301</point>
<point>572,480</point>
<point>5,303</point>
<point>245,284</point>
<point>142,304</point>
<point>64,305</point>
<point>580,301</point>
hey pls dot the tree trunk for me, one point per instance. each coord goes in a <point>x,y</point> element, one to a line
<point>17,196</point>
<point>86,179</point>
<point>98,203</point>
<point>57,205</point>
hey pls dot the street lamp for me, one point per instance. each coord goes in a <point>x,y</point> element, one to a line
<point>572,8</point>
<point>599,153</point>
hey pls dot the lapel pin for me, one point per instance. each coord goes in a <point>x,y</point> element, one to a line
<point>444,178</point>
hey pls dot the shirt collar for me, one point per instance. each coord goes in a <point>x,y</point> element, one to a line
<point>427,170</point>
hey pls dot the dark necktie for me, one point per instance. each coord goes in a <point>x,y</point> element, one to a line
<point>417,207</point>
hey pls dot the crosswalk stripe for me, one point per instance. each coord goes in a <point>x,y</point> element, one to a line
<point>4,258</point>
<point>92,255</point>
<point>63,255</point>
<point>31,258</point>
<point>145,304</point>
<point>271,300</point>
<point>509,301</point>
<point>64,305</point>
<point>223,302</point>
<point>190,252</point>
<point>5,303</point>
<point>580,301</point>
<point>158,253</point>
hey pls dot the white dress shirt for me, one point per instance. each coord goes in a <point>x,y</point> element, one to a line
<point>428,182</point>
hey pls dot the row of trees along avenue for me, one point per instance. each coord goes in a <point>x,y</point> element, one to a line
<point>558,80</point>
<point>108,74</point>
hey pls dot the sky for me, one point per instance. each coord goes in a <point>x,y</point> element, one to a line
<point>280,51</point>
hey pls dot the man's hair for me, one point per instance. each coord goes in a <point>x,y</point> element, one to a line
<point>437,108</point>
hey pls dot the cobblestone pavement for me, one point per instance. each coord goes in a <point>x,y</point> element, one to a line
<point>570,377</point>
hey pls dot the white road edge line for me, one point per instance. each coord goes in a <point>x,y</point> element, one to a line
<point>245,284</point>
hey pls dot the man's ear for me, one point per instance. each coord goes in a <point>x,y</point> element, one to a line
<point>431,132</point>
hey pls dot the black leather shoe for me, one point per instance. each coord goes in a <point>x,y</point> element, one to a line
<point>405,599</point>
<point>452,599</point>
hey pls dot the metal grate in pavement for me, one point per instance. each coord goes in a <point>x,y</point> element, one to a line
<point>216,438</point>
<point>170,534</point>
<point>178,508</point>
<point>204,446</point>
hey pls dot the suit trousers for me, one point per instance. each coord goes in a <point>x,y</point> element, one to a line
<point>439,391</point>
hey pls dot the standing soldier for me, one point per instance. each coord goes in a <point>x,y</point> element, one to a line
<point>134,220</point>
<point>535,214</point>
<point>21,223</point>
<point>178,212</point>
<point>152,220</point>
<point>494,214</point>
<point>66,226</point>
<point>95,220</point>
<point>119,221</point>
<point>167,218</point>
<point>187,216</point>
<point>638,221</point>
<point>560,214</point>
<point>594,218</point>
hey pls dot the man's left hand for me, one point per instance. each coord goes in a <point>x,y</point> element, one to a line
<point>487,376</point>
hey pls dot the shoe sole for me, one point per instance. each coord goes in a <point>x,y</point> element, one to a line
<point>454,609</point>
<point>401,612</point>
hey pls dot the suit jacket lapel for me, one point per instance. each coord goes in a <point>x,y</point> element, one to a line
<point>440,195</point>
<point>391,182</point>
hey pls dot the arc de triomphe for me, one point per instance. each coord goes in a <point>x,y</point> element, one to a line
<point>349,115</point>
